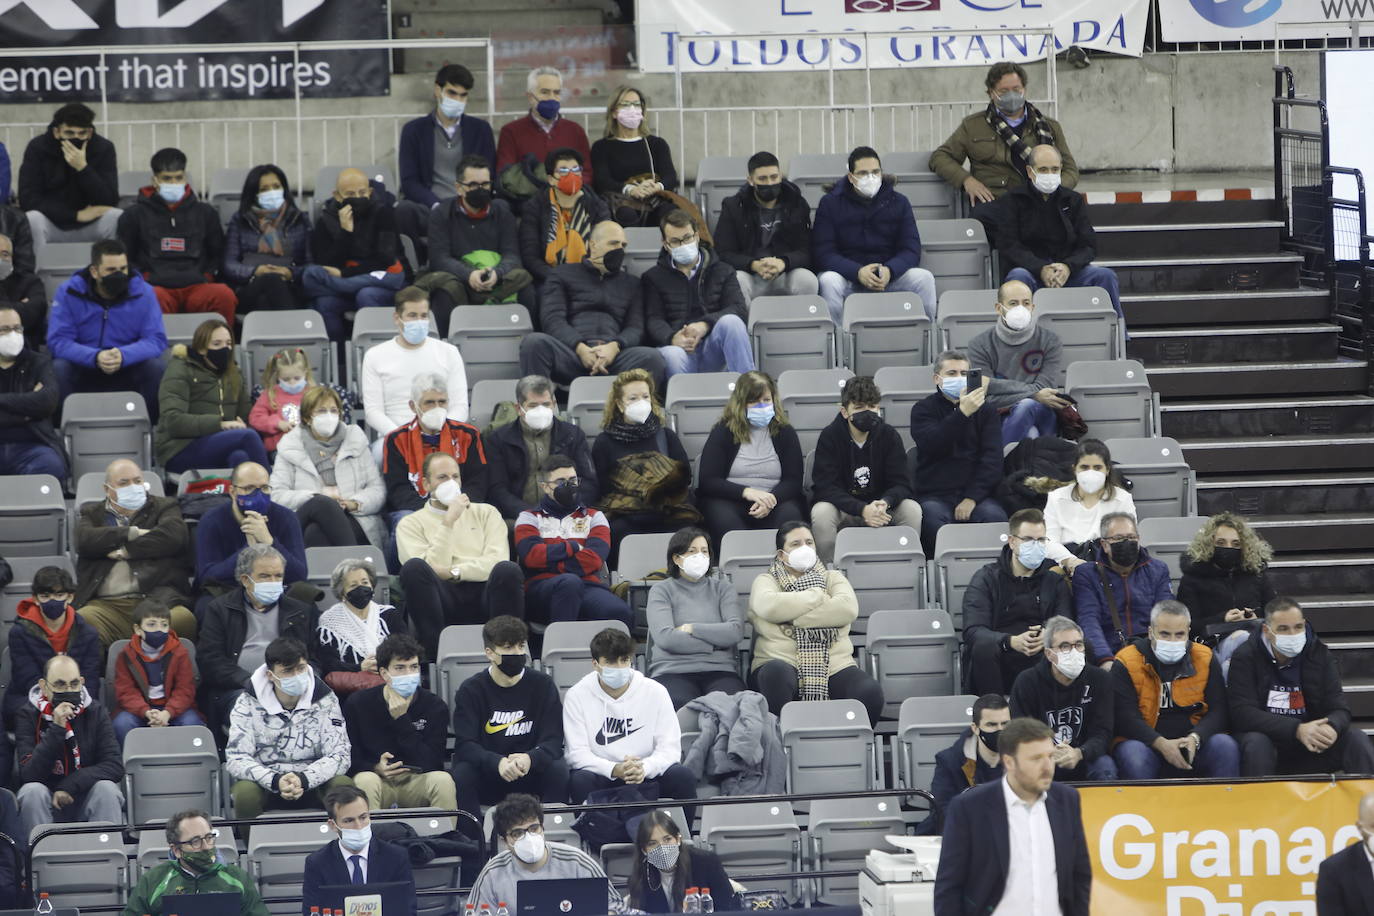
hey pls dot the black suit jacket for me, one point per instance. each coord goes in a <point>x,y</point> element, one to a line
<point>325,867</point>
<point>1345,886</point>
<point>976,849</point>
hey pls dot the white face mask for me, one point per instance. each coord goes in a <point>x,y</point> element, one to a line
<point>539,418</point>
<point>1071,663</point>
<point>1170,652</point>
<point>11,344</point>
<point>448,491</point>
<point>869,185</point>
<point>1046,183</point>
<point>696,565</point>
<point>1018,317</point>
<point>433,419</point>
<point>324,425</point>
<point>529,848</point>
<point>802,558</point>
<point>1091,481</point>
<point>639,411</point>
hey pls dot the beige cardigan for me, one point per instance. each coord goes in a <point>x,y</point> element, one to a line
<point>771,609</point>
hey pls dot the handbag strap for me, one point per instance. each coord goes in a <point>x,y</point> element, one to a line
<point>1111,602</point>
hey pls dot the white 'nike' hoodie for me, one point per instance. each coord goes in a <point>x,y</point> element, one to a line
<point>600,731</point>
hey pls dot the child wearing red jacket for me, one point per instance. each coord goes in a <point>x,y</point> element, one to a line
<point>154,683</point>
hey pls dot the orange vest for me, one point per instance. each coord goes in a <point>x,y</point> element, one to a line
<point>1188,690</point>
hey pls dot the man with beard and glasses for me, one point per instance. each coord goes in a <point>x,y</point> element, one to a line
<point>193,867</point>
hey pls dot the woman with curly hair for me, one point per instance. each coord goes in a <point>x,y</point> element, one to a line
<point>1224,573</point>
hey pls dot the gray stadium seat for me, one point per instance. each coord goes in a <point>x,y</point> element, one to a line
<point>459,658</point>
<point>557,828</point>
<point>566,655</point>
<point>226,190</point>
<point>926,726</point>
<point>718,177</point>
<point>912,653</point>
<point>792,332</point>
<point>1165,487</point>
<point>690,723</point>
<point>754,838</point>
<point>617,859</point>
<point>811,172</point>
<point>152,847</point>
<point>963,314</point>
<point>1167,539</point>
<point>744,555</point>
<point>181,328</point>
<point>841,832</point>
<point>886,567</point>
<point>811,398</point>
<point>489,338</point>
<point>885,329</point>
<point>694,404</point>
<point>956,251</point>
<point>436,874</point>
<point>100,427</point>
<point>33,516</point>
<point>328,176</point>
<point>130,181</point>
<point>84,870</point>
<point>587,402</point>
<point>371,326</point>
<point>641,554</point>
<point>266,332</point>
<point>1114,398</point>
<point>91,486</point>
<point>167,770</point>
<point>932,198</point>
<point>902,387</point>
<point>643,245</point>
<point>320,563</point>
<point>486,396</point>
<point>1085,321</point>
<point>57,261</point>
<point>830,747</point>
<point>960,551</point>
<point>277,854</point>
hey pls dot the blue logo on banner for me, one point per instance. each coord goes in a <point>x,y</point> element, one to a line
<point>1232,14</point>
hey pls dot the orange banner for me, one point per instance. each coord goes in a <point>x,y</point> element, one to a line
<point>1215,850</point>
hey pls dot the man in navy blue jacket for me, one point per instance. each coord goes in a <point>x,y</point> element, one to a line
<point>865,238</point>
<point>958,451</point>
<point>355,857</point>
<point>971,760</point>
<point>999,836</point>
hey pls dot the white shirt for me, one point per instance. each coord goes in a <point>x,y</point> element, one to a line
<point>1068,521</point>
<point>348,860</point>
<point>389,368</point>
<point>1032,877</point>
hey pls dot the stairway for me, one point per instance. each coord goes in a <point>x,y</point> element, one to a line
<point>1273,419</point>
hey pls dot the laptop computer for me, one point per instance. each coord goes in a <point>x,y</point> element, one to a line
<point>396,896</point>
<point>226,904</point>
<point>553,896</point>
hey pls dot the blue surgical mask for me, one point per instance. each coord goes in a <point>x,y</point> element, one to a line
<point>131,497</point>
<point>548,109</point>
<point>271,200</point>
<point>1170,652</point>
<point>295,387</point>
<point>1291,644</point>
<point>267,593</point>
<point>615,678</point>
<point>297,684</point>
<point>171,192</point>
<point>760,415</point>
<point>1031,554</point>
<point>953,387</point>
<point>685,254</point>
<point>355,840</point>
<point>452,108</point>
<point>406,684</point>
<point>415,331</point>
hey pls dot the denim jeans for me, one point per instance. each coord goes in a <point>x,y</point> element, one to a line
<point>31,458</point>
<point>936,512</point>
<point>227,448</point>
<point>918,280</point>
<point>333,296</point>
<point>1092,275</point>
<point>1026,415</point>
<point>1218,758</point>
<point>726,348</point>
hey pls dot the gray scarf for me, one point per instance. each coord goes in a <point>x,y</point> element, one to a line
<point>324,453</point>
<point>1014,338</point>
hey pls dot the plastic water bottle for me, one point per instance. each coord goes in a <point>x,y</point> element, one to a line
<point>502,909</point>
<point>692,902</point>
<point>44,904</point>
<point>707,904</point>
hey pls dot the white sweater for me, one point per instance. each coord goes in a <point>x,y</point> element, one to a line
<point>600,731</point>
<point>388,370</point>
<point>1070,522</point>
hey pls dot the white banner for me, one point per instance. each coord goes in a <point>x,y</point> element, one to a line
<point>1258,20</point>
<point>979,32</point>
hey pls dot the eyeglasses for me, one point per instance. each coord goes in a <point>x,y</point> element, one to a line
<point>1043,542</point>
<point>517,833</point>
<point>679,243</point>
<point>65,686</point>
<point>199,842</point>
<point>568,170</point>
<point>1070,646</point>
<point>575,481</point>
<point>12,329</point>
<point>250,490</point>
<point>630,105</point>
<point>1119,538</point>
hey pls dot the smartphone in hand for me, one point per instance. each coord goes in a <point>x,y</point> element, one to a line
<point>975,379</point>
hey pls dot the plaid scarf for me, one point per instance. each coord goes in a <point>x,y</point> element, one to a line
<point>813,643</point>
<point>623,430</point>
<point>564,239</point>
<point>1009,136</point>
<point>269,231</point>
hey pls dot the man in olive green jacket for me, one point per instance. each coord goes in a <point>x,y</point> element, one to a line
<point>992,141</point>
<point>194,869</point>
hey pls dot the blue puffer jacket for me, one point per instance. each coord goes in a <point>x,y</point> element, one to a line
<point>852,231</point>
<point>1147,584</point>
<point>82,324</point>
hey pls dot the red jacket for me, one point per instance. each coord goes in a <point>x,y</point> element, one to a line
<point>523,136</point>
<point>576,542</point>
<point>178,681</point>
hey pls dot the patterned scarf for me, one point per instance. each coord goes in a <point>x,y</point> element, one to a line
<point>269,231</point>
<point>624,431</point>
<point>1043,134</point>
<point>72,761</point>
<point>564,240</point>
<point>324,453</point>
<point>455,439</point>
<point>813,643</point>
<point>356,639</point>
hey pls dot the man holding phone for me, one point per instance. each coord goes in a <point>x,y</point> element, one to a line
<point>1171,715</point>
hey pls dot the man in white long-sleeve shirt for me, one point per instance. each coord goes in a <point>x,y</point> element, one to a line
<point>619,727</point>
<point>390,367</point>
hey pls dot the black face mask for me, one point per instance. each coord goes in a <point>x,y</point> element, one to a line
<point>767,192</point>
<point>989,740</point>
<point>865,421</point>
<point>114,286</point>
<point>53,608</point>
<point>78,142</point>
<point>1125,553</point>
<point>511,665</point>
<point>565,494</point>
<point>359,595</point>
<point>1226,557</point>
<point>361,206</point>
<point>219,359</point>
<point>67,696</point>
<point>613,260</point>
<point>478,198</point>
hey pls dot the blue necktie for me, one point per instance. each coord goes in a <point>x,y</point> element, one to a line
<point>357,869</point>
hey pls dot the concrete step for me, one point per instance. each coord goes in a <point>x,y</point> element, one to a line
<point>1310,493</point>
<point>1181,273</point>
<point>1333,614</point>
<point>1170,212</point>
<point>1330,574</point>
<point>1325,531</point>
<point>1210,309</point>
<point>1355,659</point>
<point>1359,696</point>
<point>1269,416</point>
<point>1169,239</point>
<point>1279,454</point>
<point>1216,379</point>
<point>1243,343</point>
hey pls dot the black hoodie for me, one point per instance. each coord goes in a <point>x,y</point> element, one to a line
<point>1255,679</point>
<point>1079,713</point>
<point>50,186</point>
<point>737,234</point>
<point>850,476</point>
<point>174,245</point>
<point>999,603</point>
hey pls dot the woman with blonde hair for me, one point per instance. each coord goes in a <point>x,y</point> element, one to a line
<point>640,463</point>
<point>751,465</point>
<point>1224,577</point>
<point>630,165</point>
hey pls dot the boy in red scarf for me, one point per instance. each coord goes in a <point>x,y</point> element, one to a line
<point>154,681</point>
<point>47,625</point>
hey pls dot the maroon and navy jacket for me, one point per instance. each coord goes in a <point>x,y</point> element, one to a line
<point>552,540</point>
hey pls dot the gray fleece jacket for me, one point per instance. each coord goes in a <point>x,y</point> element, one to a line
<point>739,744</point>
<point>710,605</point>
<point>1017,370</point>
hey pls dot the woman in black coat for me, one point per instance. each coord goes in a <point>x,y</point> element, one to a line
<point>1224,573</point>
<point>751,465</point>
<point>666,867</point>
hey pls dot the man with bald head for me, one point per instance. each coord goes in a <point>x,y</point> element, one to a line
<point>21,285</point>
<point>249,518</point>
<point>131,545</point>
<point>28,400</point>
<point>1044,236</point>
<point>1024,365</point>
<point>1345,880</point>
<point>592,316</point>
<point>356,252</point>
